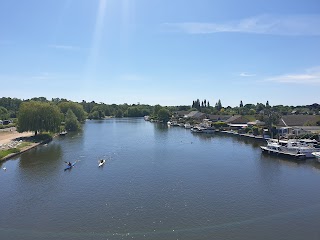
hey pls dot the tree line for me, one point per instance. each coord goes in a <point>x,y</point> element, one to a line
<point>40,114</point>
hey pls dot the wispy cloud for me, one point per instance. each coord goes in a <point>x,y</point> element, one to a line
<point>245,74</point>
<point>64,47</point>
<point>293,25</point>
<point>310,76</point>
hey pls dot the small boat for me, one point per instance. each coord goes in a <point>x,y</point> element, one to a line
<point>317,155</point>
<point>63,133</point>
<point>101,162</point>
<point>70,166</point>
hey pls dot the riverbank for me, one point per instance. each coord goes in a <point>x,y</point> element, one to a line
<point>13,143</point>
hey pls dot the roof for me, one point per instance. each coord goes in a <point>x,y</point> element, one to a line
<point>256,122</point>
<point>218,117</point>
<point>298,120</point>
<point>237,119</point>
<point>195,114</point>
<point>181,113</point>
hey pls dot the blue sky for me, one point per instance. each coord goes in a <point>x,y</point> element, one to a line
<point>167,52</point>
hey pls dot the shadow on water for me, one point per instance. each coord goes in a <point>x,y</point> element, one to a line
<point>40,158</point>
<point>161,127</point>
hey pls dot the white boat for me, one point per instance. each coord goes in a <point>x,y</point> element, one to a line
<point>317,155</point>
<point>187,126</point>
<point>63,133</point>
<point>277,149</point>
<point>209,130</point>
<point>304,146</point>
<point>101,162</point>
<point>199,129</point>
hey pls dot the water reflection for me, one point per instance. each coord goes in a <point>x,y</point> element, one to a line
<point>42,160</point>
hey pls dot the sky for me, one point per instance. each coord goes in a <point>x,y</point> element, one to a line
<point>167,52</point>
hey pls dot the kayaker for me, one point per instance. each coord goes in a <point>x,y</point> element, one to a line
<point>69,164</point>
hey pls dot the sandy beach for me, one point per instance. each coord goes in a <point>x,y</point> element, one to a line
<point>7,135</point>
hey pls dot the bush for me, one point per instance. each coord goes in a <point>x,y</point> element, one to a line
<point>219,125</point>
<point>255,131</point>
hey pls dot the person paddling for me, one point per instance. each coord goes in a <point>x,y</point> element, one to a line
<point>69,164</point>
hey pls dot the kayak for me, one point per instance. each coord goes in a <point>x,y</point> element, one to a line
<point>69,167</point>
<point>101,163</point>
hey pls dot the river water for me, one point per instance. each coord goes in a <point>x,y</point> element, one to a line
<point>157,183</point>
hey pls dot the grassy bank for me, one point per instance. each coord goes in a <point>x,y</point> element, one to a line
<point>26,144</point>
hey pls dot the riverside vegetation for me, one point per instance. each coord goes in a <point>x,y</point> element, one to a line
<point>41,115</point>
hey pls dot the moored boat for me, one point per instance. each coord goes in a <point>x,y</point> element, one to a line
<point>277,149</point>
<point>63,133</point>
<point>304,146</point>
<point>316,155</point>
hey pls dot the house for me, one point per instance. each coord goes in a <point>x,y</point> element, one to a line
<point>256,123</point>
<point>196,115</point>
<point>298,120</point>
<point>218,118</point>
<point>180,114</point>
<point>237,119</point>
<point>298,125</point>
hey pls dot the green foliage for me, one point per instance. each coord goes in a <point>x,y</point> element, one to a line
<point>4,153</point>
<point>38,117</point>
<point>163,115</point>
<point>220,125</point>
<point>76,108</point>
<point>71,122</point>
<point>94,115</point>
<point>156,109</point>
<point>7,126</point>
<point>255,131</point>
<point>271,118</point>
<point>119,113</point>
<point>218,105</point>
<point>11,104</point>
<point>4,114</point>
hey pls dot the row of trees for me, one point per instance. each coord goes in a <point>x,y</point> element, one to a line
<point>39,116</point>
<point>9,108</point>
<point>34,113</point>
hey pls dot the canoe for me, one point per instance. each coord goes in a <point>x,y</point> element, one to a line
<point>101,163</point>
<point>69,167</point>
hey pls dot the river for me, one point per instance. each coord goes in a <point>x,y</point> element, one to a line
<point>157,183</point>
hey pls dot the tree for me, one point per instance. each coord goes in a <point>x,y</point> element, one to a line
<point>218,105</point>
<point>38,117</point>
<point>119,113</point>
<point>156,109</point>
<point>76,108</point>
<point>163,115</point>
<point>267,104</point>
<point>3,113</point>
<point>72,123</point>
<point>271,118</point>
